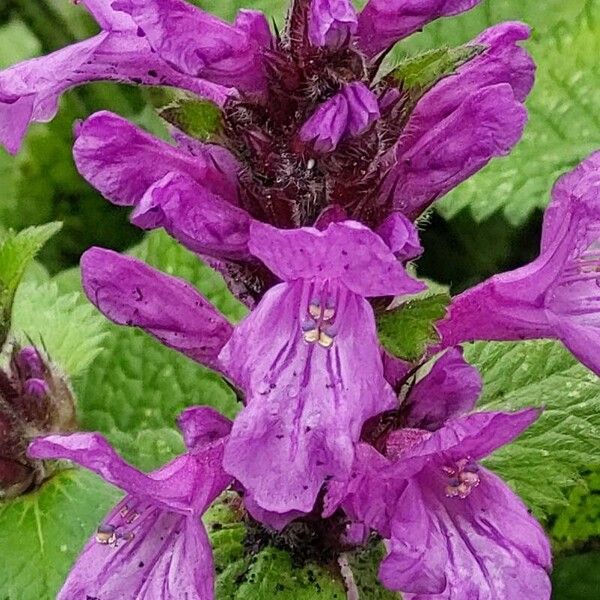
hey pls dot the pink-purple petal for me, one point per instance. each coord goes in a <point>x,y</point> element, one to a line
<point>401,236</point>
<point>435,152</point>
<point>256,25</point>
<point>556,295</point>
<point>332,22</point>
<point>152,544</point>
<point>487,124</point>
<point>384,22</point>
<point>131,293</point>
<point>197,43</point>
<point>418,557</point>
<point>396,370</point>
<point>347,251</point>
<point>503,61</point>
<point>363,108</point>
<point>306,403</point>
<point>449,390</point>
<point>484,546</point>
<point>168,488</point>
<point>576,183</point>
<point>107,17</point>
<point>326,127</point>
<point>30,91</point>
<point>202,221</point>
<point>170,558</point>
<point>202,425</point>
<point>371,492</point>
<point>123,161</point>
<point>473,436</point>
<point>273,520</point>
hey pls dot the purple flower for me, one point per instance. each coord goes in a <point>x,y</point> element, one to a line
<point>332,22</point>
<point>129,292</point>
<point>190,190</point>
<point>306,124</point>
<point>384,22</point>
<point>349,113</point>
<point>199,219</point>
<point>212,60</point>
<point>308,331</point>
<point>152,544</point>
<point>463,121</point>
<point>309,361</point>
<point>124,162</point>
<point>449,522</point>
<point>555,296</point>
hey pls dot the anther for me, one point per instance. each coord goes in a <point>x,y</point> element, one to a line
<point>462,478</point>
<point>106,535</point>
<point>325,340</point>
<point>311,336</point>
<point>314,310</point>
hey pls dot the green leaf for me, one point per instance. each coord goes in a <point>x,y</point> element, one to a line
<point>17,251</point>
<point>579,521</point>
<point>200,119</point>
<point>66,325</point>
<point>42,533</point>
<point>137,386</point>
<point>148,449</point>
<point>547,459</point>
<point>420,73</point>
<point>245,572</point>
<point>408,329</point>
<point>16,43</point>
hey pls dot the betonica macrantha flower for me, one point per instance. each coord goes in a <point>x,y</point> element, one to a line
<point>555,296</point>
<point>307,120</point>
<point>453,529</point>
<point>153,543</point>
<point>307,359</point>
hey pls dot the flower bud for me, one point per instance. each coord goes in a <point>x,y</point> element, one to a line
<point>37,388</point>
<point>29,362</point>
<point>35,399</point>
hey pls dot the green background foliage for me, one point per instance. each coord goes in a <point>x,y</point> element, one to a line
<point>131,388</point>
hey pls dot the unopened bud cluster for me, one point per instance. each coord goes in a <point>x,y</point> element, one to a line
<point>34,400</point>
